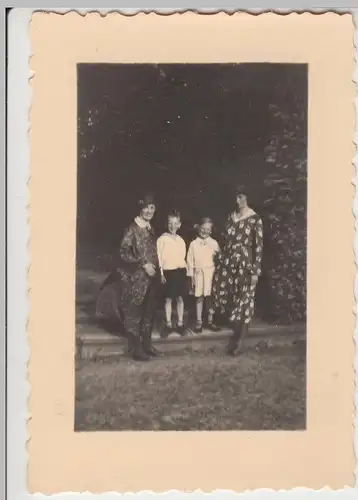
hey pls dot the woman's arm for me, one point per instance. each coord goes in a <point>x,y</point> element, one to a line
<point>216,247</point>
<point>259,238</point>
<point>129,252</point>
<point>224,231</point>
<point>216,252</point>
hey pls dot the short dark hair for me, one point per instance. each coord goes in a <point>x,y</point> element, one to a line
<point>174,214</point>
<point>241,189</point>
<point>203,220</point>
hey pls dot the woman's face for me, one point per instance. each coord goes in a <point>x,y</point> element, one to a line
<point>148,212</point>
<point>241,200</point>
<point>205,230</point>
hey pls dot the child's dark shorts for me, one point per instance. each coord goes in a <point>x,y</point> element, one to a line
<point>176,283</point>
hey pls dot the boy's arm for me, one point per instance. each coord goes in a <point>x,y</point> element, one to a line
<point>160,246</point>
<point>190,261</point>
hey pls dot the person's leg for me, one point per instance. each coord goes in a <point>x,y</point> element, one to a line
<point>147,324</point>
<point>243,333</point>
<point>180,312</point>
<point>237,318</point>
<point>234,339</point>
<point>132,324</point>
<point>168,327</point>
<point>210,312</point>
<point>199,314</point>
<point>244,314</point>
<point>168,312</point>
<point>239,333</point>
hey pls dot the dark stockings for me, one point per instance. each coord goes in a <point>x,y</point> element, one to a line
<point>140,341</point>
<point>239,332</point>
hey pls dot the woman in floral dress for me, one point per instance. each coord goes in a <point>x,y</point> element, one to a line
<point>127,297</point>
<point>238,269</point>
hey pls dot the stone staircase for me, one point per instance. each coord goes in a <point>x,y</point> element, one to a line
<point>93,341</point>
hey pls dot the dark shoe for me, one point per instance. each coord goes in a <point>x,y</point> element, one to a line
<point>233,348</point>
<point>233,352</point>
<point>198,329</point>
<point>138,353</point>
<point>212,327</point>
<point>181,330</point>
<point>140,357</point>
<point>128,351</point>
<point>131,343</point>
<point>153,352</point>
<point>168,330</point>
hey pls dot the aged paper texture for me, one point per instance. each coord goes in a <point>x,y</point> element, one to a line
<point>63,460</point>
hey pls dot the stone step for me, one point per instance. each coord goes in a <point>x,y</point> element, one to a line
<point>92,341</point>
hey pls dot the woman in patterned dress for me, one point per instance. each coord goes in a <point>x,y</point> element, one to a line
<point>127,297</point>
<point>238,269</point>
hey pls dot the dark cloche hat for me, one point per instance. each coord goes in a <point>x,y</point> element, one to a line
<point>147,199</point>
<point>241,189</point>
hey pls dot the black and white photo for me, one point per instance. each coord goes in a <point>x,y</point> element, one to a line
<point>191,246</point>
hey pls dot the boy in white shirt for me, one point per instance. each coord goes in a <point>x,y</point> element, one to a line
<point>171,250</point>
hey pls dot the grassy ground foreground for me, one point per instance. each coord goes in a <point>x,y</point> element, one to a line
<point>196,388</point>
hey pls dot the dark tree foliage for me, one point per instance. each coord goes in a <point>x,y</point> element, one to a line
<point>283,289</point>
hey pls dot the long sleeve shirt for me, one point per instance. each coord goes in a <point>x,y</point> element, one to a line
<point>171,251</point>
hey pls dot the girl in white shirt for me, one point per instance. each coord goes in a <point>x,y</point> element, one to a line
<point>171,250</point>
<point>201,267</point>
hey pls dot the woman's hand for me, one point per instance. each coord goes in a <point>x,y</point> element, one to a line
<point>192,283</point>
<point>254,279</point>
<point>162,279</point>
<point>149,269</point>
<point>217,257</point>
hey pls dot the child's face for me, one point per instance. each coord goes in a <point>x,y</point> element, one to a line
<point>173,224</point>
<point>205,230</point>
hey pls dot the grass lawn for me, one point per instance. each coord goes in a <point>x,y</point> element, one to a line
<point>195,388</point>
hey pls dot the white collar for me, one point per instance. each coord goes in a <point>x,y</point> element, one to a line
<point>142,223</point>
<point>204,241</point>
<point>249,213</point>
<point>170,235</point>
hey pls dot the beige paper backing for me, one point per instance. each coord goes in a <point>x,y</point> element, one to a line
<point>59,458</point>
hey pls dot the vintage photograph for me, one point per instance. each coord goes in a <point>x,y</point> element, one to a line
<point>191,247</point>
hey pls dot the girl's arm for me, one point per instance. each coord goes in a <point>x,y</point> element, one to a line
<point>259,239</point>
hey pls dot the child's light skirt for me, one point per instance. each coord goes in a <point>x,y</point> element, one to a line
<point>203,280</point>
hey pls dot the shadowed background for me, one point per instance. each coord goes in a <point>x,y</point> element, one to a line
<point>190,133</point>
